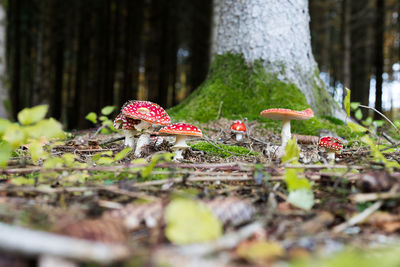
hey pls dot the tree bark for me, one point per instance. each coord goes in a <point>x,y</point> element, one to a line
<point>4,96</point>
<point>346,43</point>
<point>276,32</point>
<point>379,31</point>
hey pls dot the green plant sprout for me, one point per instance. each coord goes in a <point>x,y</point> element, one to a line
<point>300,193</point>
<point>376,154</point>
<point>106,123</point>
<point>31,130</point>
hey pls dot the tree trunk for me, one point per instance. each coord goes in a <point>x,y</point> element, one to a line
<point>379,31</point>
<point>346,43</point>
<point>4,97</point>
<point>360,54</point>
<point>279,70</point>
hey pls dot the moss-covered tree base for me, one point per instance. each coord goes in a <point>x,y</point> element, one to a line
<point>236,90</point>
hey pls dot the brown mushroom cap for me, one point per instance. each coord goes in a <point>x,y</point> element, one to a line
<point>180,129</point>
<point>287,114</point>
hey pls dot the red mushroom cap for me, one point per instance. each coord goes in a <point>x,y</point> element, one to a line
<point>287,114</point>
<point>147,111</point>
<point>331,143</point>
<point>181,129</point>
<point>238,127</point>
<point>125,123</point>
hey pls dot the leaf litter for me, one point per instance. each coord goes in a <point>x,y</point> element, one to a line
<point>242,208</point>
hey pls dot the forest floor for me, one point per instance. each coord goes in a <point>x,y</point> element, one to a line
<point>119,205</point>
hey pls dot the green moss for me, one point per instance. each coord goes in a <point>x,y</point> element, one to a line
<point>235,90</point>
<point>209,148</point>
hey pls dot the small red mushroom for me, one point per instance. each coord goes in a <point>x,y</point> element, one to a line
<point>150,115</point>
<point>126,124</point>
<point>182,131</point>
<point>332,145</point>
<point>239,129</point>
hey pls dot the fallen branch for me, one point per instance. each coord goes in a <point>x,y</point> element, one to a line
<point>374,196</point>
<point>193,179</point>
<point>32,243</point>
<point>358,218</point>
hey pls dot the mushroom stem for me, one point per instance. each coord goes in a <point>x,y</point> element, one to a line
<point>285,134</point>
<point>239,137</point>
<point>331,156</point>
<point>143,140</point>
<point>178,154</point>
<point>129,138</point>
<point>180,141</point>
<point>179,147</point>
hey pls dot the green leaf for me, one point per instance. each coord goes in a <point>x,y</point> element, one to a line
<point>293,182</point>
<point>156,158</point>
<point>22,181</point>
<point>5,153</point>
<point>15,135</point>
<point>122,154</point>
<point>105,161</point>
<point>3,126</point>
<point>354,105</point>
<point>301,198</point>
<point>292,152</point>
<point>107,123</point>
<point>49,128</point>
<point>107,110</point>
<point>36,151</point>
<point>32,115</point>
<point>367,121</point>
<point>354,127</point>
<point>53,162</point>
<point>91,117</point>
<point>358,114</point>
<point>97,156</point>
<point>346,102</point>
<point>379,123</point>
<point>190,222</point>
<point>103,118</point>
<point>376,153</point>
<point>69,159</point>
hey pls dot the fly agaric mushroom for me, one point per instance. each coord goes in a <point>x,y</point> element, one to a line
<point>128,126</point>
<point>332,145</point>
<point>286,115</point>
<point>150,115</point>
<point>182,131</point>
<point>239,129</point>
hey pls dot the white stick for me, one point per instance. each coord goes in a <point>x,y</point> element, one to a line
<point>31,242</point>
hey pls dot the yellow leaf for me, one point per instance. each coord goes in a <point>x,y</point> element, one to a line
<point>190,222</point>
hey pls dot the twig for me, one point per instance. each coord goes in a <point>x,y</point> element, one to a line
<point>383,115</point>
<point>31,242</point>
<point>112,140</point>
<point>232,166</point>
<point>219,109</point>
<point>374,196</point>
<point>322,166</point>
<point>112,189</point>
<point>193,179</point>
<point>358,218</point>
<point>363,215</point>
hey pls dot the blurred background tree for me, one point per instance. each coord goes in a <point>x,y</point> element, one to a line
<point>79,56</point>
